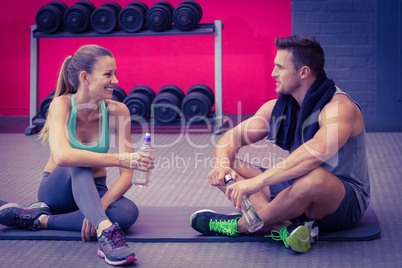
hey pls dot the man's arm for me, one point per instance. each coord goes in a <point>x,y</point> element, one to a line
<point>249,131</point>
<point>337,121</point>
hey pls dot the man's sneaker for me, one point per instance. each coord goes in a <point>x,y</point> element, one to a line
<point>113,247</point>
<point>208,222</point>
<point>297,236</point>
<point>314,231</point>
<point>24,217</point>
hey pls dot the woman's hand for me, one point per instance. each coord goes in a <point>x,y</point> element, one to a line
<point>139,161</point>
<point>87,230</point>
<point>216,176</point>
<point>236,191</point>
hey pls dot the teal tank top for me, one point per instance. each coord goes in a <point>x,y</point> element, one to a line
<point>104,141</point>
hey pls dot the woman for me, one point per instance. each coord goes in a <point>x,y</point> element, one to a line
<point>73,194</point>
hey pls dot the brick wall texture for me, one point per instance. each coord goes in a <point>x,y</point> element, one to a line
<point>346,30</point>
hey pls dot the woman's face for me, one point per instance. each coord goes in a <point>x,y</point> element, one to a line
<point>103,78</point>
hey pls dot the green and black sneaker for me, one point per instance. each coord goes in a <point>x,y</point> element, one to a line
<point>208,222</point>
<point>297,236</point>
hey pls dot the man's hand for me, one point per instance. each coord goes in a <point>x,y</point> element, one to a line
<point>216,176</point>
<point>236,191</point>
<point>87,230</point>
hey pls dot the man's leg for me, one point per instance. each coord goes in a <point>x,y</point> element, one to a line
<point>317,194</point>
<point>258,200</point>
<point>247,171</point>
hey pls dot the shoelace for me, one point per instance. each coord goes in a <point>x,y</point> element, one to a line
<point>23,222</point>
<point>278,236</point>
<point>116,237</point>
<point>224,227</point>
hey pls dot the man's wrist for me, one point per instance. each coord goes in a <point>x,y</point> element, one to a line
<point>222,162</point>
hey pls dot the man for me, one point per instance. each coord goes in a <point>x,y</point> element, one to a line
<point>323,182</point>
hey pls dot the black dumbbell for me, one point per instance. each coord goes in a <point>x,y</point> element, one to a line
<point>77,18</point>
<point>105,18</point>
<point>159,16</point>
<point>166,105</point>
<point>139,101</point>
<point>132,17</point>
<point>49,18</point>
<point>187,15</point>
<point>197,103</point>
<point>44,105</point>
<point>119,94</point>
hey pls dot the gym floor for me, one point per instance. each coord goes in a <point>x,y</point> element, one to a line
<point>180,180</point>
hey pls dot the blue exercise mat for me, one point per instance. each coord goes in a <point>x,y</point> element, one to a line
<point>172,224</point>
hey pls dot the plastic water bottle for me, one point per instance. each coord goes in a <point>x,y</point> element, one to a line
<point>141,178</point>
<point>253,220</point>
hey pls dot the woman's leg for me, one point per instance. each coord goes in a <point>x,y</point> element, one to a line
<point>124,212</point>
<point>86,195</point>
<point>66,190</point>
<point>56,190</point>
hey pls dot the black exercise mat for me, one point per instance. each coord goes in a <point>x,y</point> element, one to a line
<point>172,224</point>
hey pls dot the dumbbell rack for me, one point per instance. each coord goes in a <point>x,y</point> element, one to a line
<point>203,29</point>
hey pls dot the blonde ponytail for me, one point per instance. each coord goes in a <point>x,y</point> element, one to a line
<point>68,82</point>
<point>63,87</point>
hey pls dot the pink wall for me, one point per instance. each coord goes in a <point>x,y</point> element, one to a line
<point>250,28</point>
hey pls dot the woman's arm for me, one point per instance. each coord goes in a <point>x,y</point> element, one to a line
<point>122,127</point>
<point>64,155</point>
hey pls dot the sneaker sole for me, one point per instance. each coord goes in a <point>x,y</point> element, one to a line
<point>10,205</point>
<point>209,210</point>
<point>32,206</point>
<point>8,221</point>
<point>130,259</point>
<point>200,211</point>
<point>314,231</point>
<point>15,208</point>
<point>298,240</point>
<point>194,226</point>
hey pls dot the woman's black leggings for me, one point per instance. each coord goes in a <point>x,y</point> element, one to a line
<point>73,194</point>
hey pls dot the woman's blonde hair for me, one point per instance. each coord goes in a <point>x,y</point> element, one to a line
<point>68,82</point>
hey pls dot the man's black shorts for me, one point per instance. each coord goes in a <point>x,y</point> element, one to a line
<point>345,217</point>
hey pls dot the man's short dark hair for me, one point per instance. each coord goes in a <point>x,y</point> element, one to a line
<point>306,51</point>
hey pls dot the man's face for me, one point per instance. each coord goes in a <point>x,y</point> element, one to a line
<point>287,78</point>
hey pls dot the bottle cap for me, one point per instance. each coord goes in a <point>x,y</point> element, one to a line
<point>228,178</point>
<point>147,137</point>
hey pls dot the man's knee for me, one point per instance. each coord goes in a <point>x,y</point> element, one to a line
<point>245,169</point>
<point>313,182</point>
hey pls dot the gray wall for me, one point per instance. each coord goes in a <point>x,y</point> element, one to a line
<point>347,31</point>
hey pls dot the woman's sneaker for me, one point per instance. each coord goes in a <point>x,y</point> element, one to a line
<point>113,247</point>
<point>208,222</point>
<point>23,217</point>
<point>297,236</point>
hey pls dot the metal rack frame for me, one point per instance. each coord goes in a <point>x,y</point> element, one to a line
<point>203,29</point>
